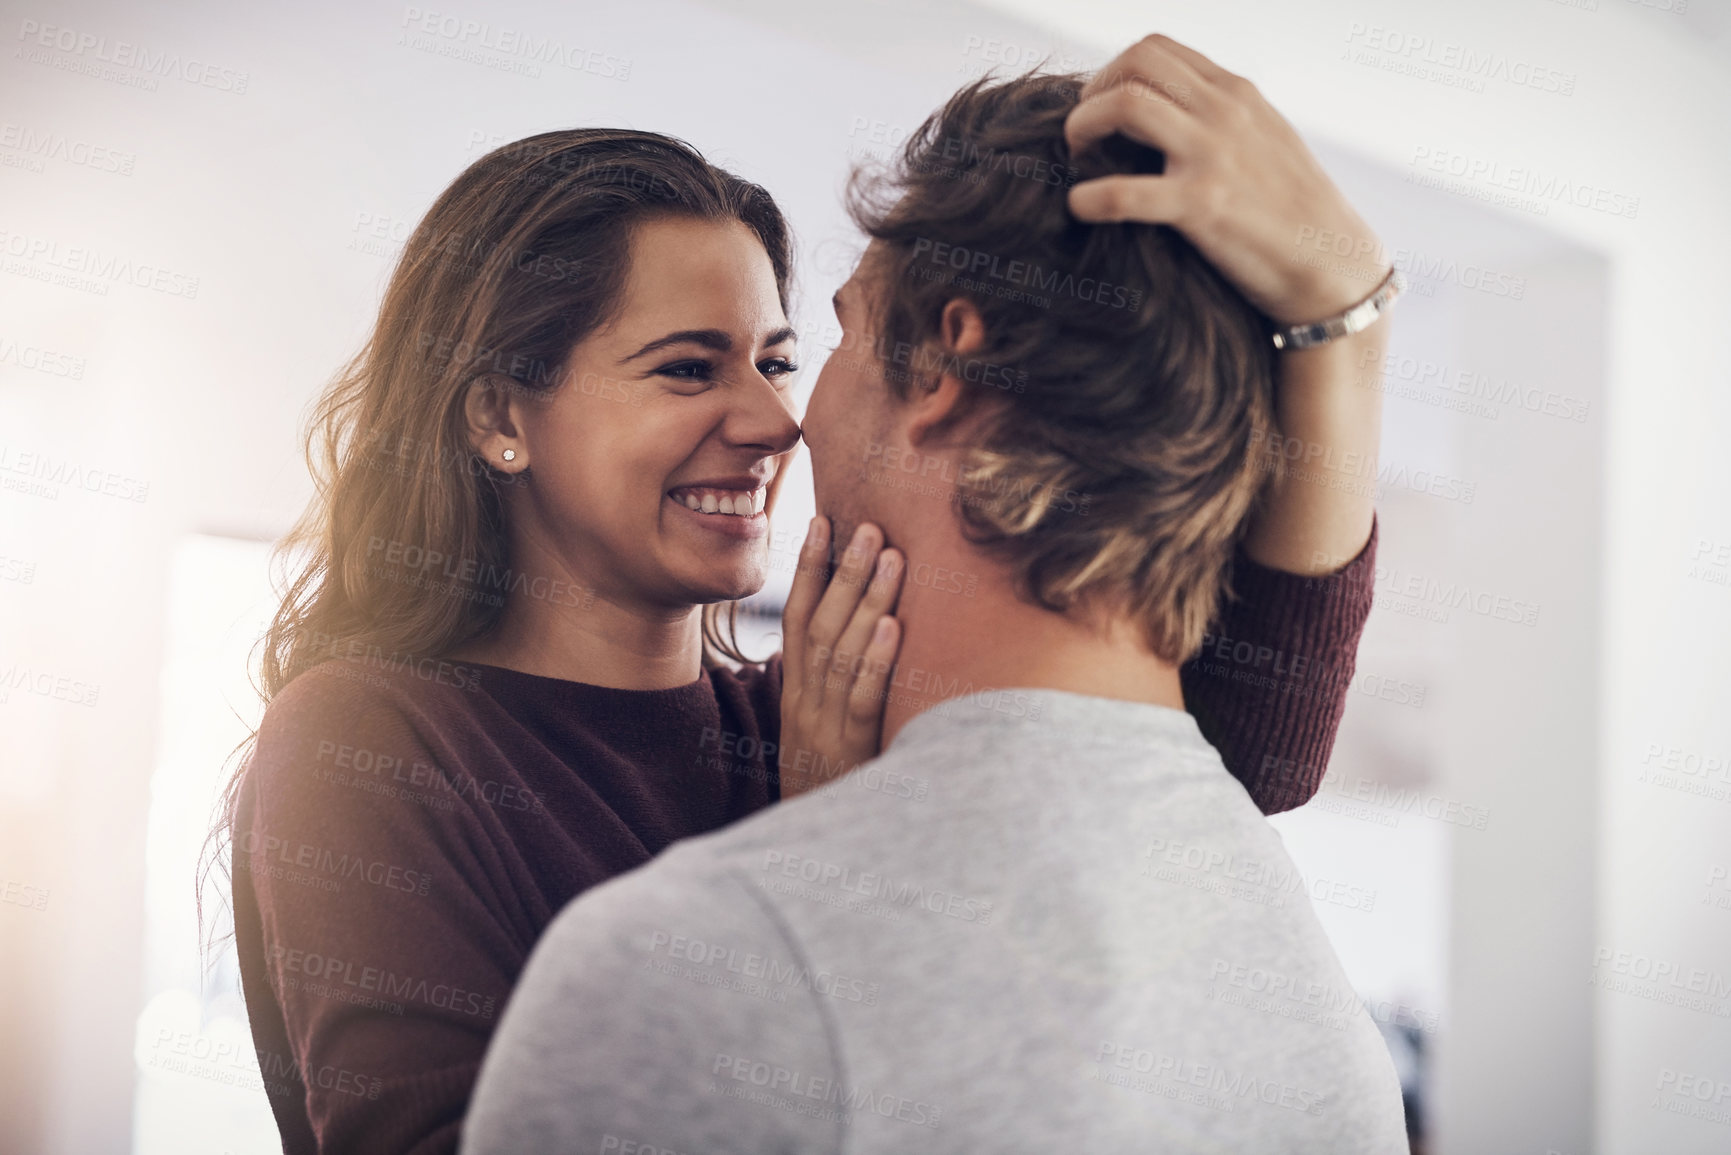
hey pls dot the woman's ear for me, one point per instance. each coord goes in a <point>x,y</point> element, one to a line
<point>491,414</point>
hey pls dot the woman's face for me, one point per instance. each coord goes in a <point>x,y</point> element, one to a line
<point>651,460</point>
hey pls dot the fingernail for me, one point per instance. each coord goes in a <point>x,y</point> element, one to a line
<point>815,531</point>
<point>881,633</point>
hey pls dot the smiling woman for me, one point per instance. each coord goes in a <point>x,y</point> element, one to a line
<point>710,420</point>
<point>572,256</point>
<point>504,663</point>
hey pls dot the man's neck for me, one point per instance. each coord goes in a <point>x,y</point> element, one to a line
<point>956,643</point>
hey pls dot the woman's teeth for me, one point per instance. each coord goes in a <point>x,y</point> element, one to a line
<point>738,502</point>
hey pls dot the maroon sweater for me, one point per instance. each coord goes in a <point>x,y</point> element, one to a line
<point>406,831</point>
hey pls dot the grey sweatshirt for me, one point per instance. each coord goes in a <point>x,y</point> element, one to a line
<point>1037,922</point>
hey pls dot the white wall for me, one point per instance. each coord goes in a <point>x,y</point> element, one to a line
<point>268,197</point>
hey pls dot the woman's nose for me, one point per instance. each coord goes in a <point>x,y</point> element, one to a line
<point>767,418</point>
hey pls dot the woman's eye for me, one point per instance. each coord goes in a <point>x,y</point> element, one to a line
<point>687,370</point>
<point>704,371</point>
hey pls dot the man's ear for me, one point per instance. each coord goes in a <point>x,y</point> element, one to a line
<point>962,331</point>
<point>961,326</point>
<point>490,414</point>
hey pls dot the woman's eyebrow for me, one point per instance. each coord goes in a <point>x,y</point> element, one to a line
<point>714,339</point>
<point>708,338</point>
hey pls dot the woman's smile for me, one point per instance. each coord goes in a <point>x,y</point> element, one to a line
<point>728,505</point>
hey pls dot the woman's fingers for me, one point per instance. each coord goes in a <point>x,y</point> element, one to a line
<point>1138,110</point>
<point>1199,64</point>
<point>1239,182</point>
<point>836,608</point>
<point>880,598</point>
<point>870,691</point>
<point>832,712</point>
<point>853,706</point>
<point>1166,68</point>
<point>1144,199</point>
<point>1144,114</point>
<point>809,577</point>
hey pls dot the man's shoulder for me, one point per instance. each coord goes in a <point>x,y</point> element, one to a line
<point>663,925</point>
<point>708,914</point>
<point>980,767</point>
<point>648,1010</point>
<point>689,882</point>
<point>863,810</point>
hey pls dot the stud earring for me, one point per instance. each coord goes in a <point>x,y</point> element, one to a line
<point>509,455</point>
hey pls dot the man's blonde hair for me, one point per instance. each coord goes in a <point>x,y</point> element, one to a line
<point>1121,375</point>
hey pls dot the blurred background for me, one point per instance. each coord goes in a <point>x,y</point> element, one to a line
<point>1522,850</point>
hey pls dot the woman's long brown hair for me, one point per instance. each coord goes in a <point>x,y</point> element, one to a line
<point>517,261</point>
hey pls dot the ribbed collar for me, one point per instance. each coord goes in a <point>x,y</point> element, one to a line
<point>1040,713</point>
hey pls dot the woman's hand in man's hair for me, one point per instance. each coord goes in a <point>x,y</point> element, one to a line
<point>1239,183</point>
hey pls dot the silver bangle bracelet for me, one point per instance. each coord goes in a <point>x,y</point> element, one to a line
<point>1360,316</point>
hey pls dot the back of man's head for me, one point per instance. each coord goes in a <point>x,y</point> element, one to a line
<point>1113,464</point>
